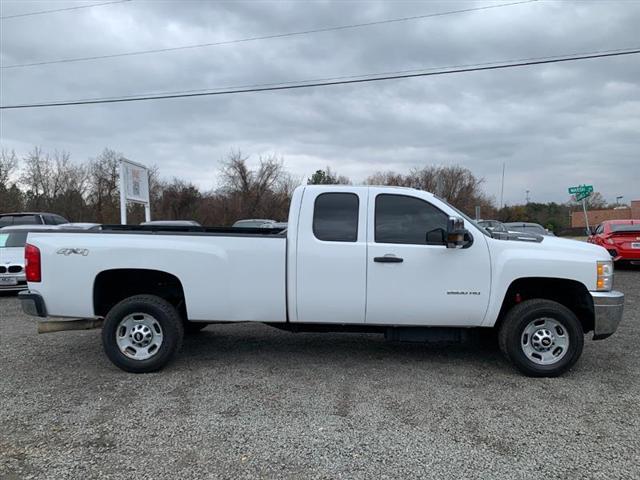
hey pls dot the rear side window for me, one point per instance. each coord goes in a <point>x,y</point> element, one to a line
<point>335,217</point>
<point>26,220</point>
<point>403,219</point>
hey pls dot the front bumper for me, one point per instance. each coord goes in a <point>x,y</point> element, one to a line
<point>32,304</point>
<point>607,307</point>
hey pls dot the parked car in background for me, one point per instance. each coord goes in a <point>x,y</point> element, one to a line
<point>31,218</point>
<point>528,227</point>
<point>493,225</point>
<point>621,238</point>
<point>12,241</point>
<point>173,223</point>
<point>259,223</point>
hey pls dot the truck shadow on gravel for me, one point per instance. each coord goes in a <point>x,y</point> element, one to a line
<point>248,343</point>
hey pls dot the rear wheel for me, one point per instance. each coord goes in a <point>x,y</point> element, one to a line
<point>142,333</point>
<point>542,338</point>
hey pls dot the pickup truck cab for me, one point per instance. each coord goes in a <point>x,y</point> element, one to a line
<point>392,260</point>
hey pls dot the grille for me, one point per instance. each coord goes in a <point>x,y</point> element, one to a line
<point>3,269</point>
<point>15,269</point>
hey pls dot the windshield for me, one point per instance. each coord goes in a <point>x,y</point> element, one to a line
<point>526,228</point>
<point>13,239</point>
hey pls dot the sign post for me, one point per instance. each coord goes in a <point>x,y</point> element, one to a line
<point>134,187</point>
<point>582,192</point>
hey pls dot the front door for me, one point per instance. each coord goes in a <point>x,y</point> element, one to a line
<point>414,282</point>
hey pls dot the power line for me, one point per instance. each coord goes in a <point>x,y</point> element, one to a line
<point>264,37</point>
<point>42,12</point>
<point>282,86</point>
<point>344,77</point>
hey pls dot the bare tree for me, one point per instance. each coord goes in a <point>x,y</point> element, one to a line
<point>11,197</point>
<point>104,193</point>
<point>455,184</point>
<point>254,193</point>
<point>54,183</point>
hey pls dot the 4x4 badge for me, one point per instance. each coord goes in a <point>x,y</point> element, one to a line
<point>73,251</point>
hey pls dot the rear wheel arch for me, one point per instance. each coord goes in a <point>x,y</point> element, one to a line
<point>112,286</point>
<point>572,294</point>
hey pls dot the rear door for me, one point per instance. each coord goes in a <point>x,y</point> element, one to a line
<point>331,258</point>
<point>415,282</point>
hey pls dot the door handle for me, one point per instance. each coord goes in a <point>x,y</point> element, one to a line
<point>388,259</point>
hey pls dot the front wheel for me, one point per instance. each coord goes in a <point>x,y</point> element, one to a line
<point>142,333</point>
<point>542,338</point>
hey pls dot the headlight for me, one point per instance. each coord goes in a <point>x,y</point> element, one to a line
<point>604,280</point>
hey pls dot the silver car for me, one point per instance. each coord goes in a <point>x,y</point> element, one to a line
<point>12,240</point>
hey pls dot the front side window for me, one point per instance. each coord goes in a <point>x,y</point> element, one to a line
<point>335,217</point>
<point>6,220</point>
<point>403,219</point>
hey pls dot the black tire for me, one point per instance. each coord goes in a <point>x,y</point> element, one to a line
<point>163,312</point>
<point>510,336</point>
<point>191,328</point>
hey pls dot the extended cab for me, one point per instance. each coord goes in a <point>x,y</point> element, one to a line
<point>392,260</point>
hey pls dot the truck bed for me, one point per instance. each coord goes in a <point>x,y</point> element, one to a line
<point>226,274</point>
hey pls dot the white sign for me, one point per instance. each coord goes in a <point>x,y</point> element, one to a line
<point>134,187</point>
<point>136,182</point>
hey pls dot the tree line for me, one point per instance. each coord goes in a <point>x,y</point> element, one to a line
<point>89,192</point>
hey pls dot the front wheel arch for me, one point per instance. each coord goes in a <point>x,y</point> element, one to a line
<point>572,294</point>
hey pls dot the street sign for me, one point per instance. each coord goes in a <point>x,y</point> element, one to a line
<point>581,193</point>
<point>581,189</point>
<point>582,196</point>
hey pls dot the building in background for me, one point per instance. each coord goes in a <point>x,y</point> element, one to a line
<point>598,216</point>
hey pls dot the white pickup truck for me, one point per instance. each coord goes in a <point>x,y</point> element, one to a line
<point>391,260</point>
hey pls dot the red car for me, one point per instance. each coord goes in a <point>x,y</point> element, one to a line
<point>621,238</point>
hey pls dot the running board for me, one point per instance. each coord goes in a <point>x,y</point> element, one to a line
<point>82,324</point>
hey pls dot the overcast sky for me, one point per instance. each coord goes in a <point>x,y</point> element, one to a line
<point>553,125</point>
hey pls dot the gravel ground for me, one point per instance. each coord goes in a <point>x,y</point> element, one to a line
<point>245,401</point>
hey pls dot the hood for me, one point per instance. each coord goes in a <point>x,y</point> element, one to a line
<point>12,255</point>
<point>574,247</point>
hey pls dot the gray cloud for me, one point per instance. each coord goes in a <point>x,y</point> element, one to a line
<point>552,125</point>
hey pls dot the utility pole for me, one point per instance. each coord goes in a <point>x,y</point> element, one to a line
<point>527,196</point>
<point>502,187</point>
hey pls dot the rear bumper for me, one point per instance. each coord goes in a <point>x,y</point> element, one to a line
<point>608,308</point>
<point>32,304</point>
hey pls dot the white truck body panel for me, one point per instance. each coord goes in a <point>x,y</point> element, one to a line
<point>224,278</point>
<point>270,278</point>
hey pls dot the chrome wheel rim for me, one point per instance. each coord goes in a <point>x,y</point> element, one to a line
<point>545,341</point>
<point>139,336</point>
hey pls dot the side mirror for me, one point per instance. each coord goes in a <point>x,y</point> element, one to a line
<point>437,236</point>
<point>457,235</point>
